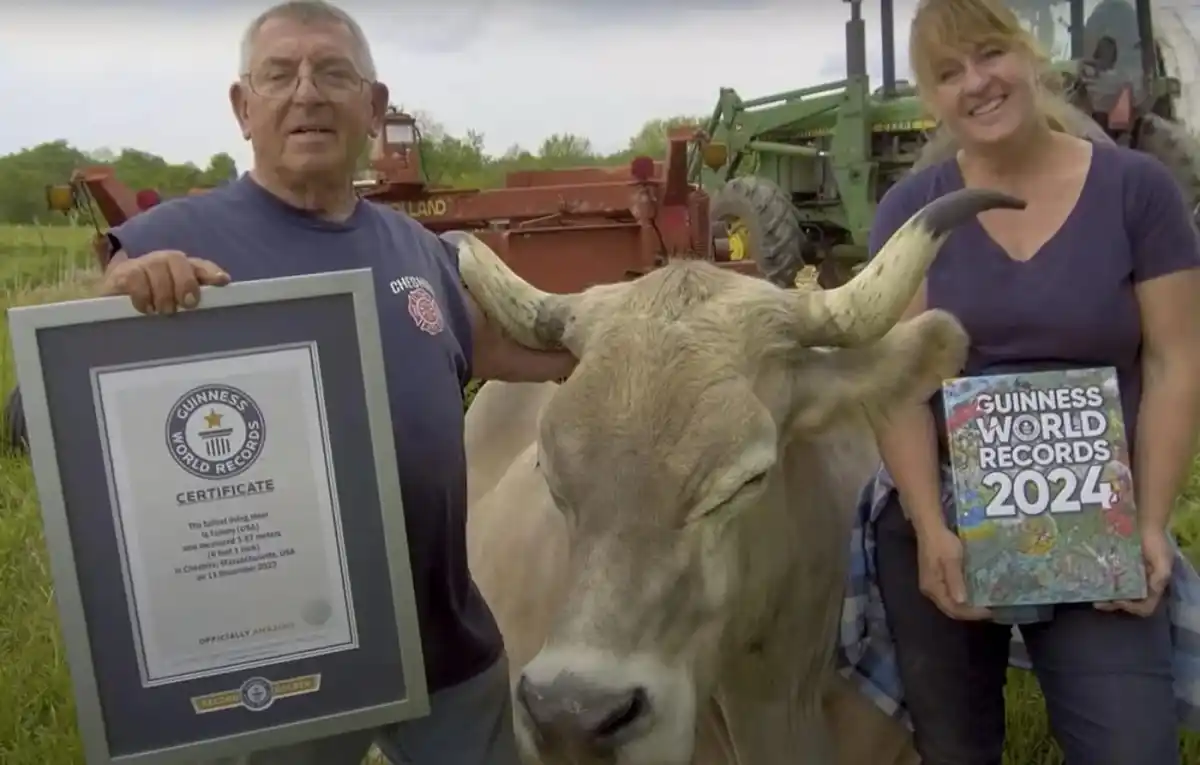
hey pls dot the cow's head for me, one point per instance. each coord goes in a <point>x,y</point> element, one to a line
<point>664,452</point>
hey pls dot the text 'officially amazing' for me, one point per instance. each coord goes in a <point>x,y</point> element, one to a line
<point>1042,428</point>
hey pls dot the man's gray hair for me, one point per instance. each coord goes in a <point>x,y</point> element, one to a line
<point>311,12</point>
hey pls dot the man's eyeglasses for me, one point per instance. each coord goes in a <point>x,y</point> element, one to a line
<point>333,82</point>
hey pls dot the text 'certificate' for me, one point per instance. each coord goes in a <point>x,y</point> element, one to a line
<point>228,523</point>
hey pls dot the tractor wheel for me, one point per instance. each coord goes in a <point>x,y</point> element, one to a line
<point>16,437</point>
<point>760,222</point>
<point>1172,145</point>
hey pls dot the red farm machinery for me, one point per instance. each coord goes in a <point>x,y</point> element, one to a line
<point>563,230</point>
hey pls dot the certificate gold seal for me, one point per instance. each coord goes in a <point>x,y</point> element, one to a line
<point>256,694</point>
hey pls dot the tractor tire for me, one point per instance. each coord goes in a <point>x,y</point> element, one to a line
<point>16,436</point>
<point>772,228</point>
<point>1172,144</point>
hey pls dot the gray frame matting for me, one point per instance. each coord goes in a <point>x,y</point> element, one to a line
<point>24,325</point>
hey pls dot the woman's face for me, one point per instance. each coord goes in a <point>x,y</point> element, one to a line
<point>984,96</point>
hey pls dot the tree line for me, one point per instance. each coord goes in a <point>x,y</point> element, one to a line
<point>448,159</point>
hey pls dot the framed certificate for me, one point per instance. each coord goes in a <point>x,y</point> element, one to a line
<point>223,514</point>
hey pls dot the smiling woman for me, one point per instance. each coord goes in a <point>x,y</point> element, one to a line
<point>932,58</point>
<point>1100,270</point>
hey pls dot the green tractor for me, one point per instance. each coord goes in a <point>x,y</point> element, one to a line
<point>794,177</point>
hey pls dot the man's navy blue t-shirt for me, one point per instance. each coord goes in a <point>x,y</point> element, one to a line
<point>426,339</point>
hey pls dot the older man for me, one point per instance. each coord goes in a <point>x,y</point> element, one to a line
<point>307,100</point>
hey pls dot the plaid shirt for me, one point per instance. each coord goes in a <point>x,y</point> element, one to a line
<point>866,654</point>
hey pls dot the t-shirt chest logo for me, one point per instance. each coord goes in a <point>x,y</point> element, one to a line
<point>423,307</point>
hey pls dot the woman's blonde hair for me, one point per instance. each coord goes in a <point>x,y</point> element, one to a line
<point>944,26</point>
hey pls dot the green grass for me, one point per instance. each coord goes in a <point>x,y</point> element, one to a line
<point>37,718</point>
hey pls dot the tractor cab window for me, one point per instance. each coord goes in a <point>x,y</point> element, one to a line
<point>1110,57</point>
<point>1110,38</point>
<point>1110,32</point>
<point>1049,23</point>
<point>400,132</point>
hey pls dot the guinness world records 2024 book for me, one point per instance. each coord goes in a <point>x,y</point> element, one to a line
<point>1043,488</point>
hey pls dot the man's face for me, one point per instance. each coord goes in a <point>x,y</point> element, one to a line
<point>304,103</point>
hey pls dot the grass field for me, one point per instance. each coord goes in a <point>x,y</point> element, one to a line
<point>37,723</point>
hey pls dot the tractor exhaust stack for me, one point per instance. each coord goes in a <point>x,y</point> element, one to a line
<point>887,29</point>
<point>856,41</point>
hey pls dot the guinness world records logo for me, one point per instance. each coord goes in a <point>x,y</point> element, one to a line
<point>215,431</point>
<point>257,694</point>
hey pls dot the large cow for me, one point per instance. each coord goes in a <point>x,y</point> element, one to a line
<point>665,545</point>
<point>518,555</point>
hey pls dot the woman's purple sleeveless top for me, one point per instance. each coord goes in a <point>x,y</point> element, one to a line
<point>1074,303</point>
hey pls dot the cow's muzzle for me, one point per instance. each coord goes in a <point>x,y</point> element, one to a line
<point>579,713</point>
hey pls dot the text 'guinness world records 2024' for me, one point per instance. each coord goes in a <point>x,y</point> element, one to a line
<point>223,491</point>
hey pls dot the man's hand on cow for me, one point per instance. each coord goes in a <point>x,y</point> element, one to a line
<point>940,556</point>
<point>162,282</point>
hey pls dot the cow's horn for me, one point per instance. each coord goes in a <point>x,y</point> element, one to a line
<point>533,318</point>
<point>869,305</point>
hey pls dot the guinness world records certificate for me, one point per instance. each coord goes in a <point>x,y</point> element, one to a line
<point>223,516</point>
<point>224,497</point>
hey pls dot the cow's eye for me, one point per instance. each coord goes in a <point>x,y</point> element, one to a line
<point>728,505</point>
<point>749,488</point>
<point>754,482</point>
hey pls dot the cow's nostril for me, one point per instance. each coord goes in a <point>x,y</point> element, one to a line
<point>589,714</point>
<point>624,713</point>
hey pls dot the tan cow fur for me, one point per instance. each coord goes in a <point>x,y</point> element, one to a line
<point>517,543</point>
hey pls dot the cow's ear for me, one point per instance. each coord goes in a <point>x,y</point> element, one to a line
<point>907,365</point>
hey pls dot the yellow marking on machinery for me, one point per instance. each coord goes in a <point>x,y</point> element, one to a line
<point>60,198</point>
<point>739,240</point>
<point>423,208</point>
<point>898,126</point>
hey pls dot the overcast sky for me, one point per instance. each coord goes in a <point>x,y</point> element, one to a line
<point>155,77</point>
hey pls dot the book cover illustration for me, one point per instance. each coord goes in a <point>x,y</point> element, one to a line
<point>1043,488</point>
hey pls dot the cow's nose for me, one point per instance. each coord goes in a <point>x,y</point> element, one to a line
<point>588,713</point>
